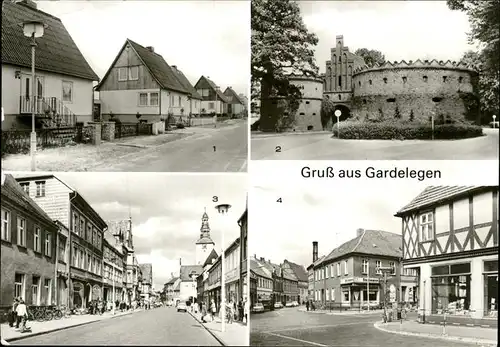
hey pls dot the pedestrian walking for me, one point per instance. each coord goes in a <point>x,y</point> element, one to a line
<point>240,311</point>
<point>22,313</point>
<point>246,307</point>
<point>213,309</point>
<point>229,312</point>
<point>307,305</point>
<point>203,312</point>
<point>13,314</point>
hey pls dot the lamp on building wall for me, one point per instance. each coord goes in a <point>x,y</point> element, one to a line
<point>33,29</point>
<point>223,209</point>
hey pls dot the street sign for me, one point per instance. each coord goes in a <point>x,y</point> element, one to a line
<point>338,113</point>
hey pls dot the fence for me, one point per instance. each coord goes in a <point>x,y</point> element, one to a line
<point>18,141</point>
<point>132,129</point>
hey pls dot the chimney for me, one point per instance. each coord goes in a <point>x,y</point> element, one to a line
<point>172,274</point>
<point>150,48</point>
<point>175,67</point>
<point>315,251</point>
<point>29,3</point>
<point>262,259</point>
<point>359,232</point>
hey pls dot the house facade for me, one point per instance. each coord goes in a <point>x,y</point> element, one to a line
<point>86,228</point>
<point>350,275</point>
<point>63,94</point>
<point>147,281</point>
<point>187,286</point>
<point>243,224</point>
<point>263,276</point>
<point>232,271</point>
<point>28,249</point>
<point>113,274</point>
<point>302,279</point>
<point>141,86</point>
<point>450,239</point>
<point>235,105</point>
<point>172,290</point>
<point>213,100</point>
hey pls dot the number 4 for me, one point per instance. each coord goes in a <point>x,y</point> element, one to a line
<point>279,200</point>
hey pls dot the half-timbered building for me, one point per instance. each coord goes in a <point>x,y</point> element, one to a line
<point>450,239</point>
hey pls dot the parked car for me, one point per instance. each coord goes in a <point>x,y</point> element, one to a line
<point>295,304</point>
<point>278,305</point>
<point>181,306</point>
<point>289,304</point>
<point>258,307</point>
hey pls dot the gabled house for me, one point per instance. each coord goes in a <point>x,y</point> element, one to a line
<point>214,101</point>
<point>188,275</point>
<point>450,241</point>
<point>141,86</point>
<point>147,281</point>
<point>301,274</point>
<point>172,290</point>
<point>63,95</point>
<point>194,98</point>
<point>235,105</point>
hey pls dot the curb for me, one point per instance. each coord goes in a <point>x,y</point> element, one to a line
<point>22,337</point>
<point>210,332</point>
<point>433,336</point>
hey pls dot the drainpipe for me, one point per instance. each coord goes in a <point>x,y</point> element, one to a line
<point>68,264</point>
<point>55,267</point>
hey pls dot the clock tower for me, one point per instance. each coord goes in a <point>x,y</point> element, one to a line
<point>204,245</point>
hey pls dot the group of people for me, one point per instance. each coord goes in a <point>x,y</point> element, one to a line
<point>19,315</point>
<point>234,311</point>
<point>310,305</point>
<point>97,307</point>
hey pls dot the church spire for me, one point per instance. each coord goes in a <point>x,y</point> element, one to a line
<point>205,229</point>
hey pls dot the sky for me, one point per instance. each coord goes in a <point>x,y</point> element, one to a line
<point>210,38</point>
<point>315,211</point>
<point>408,30</point>
<point>166,211</point>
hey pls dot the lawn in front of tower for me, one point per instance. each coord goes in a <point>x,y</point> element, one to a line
<point>322,146</point>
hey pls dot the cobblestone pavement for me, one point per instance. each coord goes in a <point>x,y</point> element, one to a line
<point>320,146</point>
<point>235,334</point>
<point>162,326</point>
<point>291,327</point>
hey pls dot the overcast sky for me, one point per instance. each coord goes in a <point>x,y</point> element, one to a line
<point>315,211</point>
<point>408,30</point>
<point>210,38</point>
<point>166,211</point>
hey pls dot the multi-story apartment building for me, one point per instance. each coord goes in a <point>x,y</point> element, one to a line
<point>262,272</point>
<point>65,204</point>
<point>147,281</point>
<point>450,239</point>
<point>350,275</point>
<point>172,290</point>
<point>113,274</point>
<point>232,271</point>
<point>28,248</point>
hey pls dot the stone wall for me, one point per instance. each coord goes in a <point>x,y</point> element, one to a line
<point>96,133</point>
<point>108,131</point>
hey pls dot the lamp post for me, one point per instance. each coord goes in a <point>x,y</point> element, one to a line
<point>33,29</point>
<point>494,117</point>
<point>385,270</point>
<point>338,113</point>
<point>223,209</point>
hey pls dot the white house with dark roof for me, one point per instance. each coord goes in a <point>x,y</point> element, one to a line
<point>235,104</point>
<point>64,79</point>
<point>214,101</point>
<point>450,240</point>
<point>140,82</point>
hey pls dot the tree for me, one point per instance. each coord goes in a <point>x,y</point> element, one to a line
<point>327,109</point>
<point>370,56</point>
<point>484,20</point>
<point>281,44</point>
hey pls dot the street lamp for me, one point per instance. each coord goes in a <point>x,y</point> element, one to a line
<point>223,209</point>
<point>494,117</point>
<point>33,29</point>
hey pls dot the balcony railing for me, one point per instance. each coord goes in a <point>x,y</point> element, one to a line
<point>50,110</point>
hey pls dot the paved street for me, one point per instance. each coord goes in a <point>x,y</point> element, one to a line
<point>162,326</point>
<point>321,146</point>
<point>289,326</point>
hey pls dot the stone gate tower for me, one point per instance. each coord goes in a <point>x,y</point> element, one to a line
<point>204,245</point>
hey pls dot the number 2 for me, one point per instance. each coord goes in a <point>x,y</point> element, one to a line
<point>278,149</point>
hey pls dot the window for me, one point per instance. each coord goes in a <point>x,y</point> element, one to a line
<point>62,250</point>
<point>425,78</point>
<point>19,285</point>
<point>48,244</point>
<point>340,97</point>
<point>404,79</point>
<point>26,187</point>
<point>364,268</point>
<point>5,225</point>
<point>47,291</point>
<point>27,91</point>
<point>393,267</point>
<point>345,268</point>
<point>179,99</point>
<point>340,80</point>
<point>153,99</point>
<point>89,232</point>
<point>359,83</point>
<point>385,80</point>
<point>36,239</point>
<point>211,105</point>
<point>21,231</point>
<point>133,73</point>
<point>426,226</point>
<point>74,260</point>
<point>89,263</point>
<point>327,271</point>
<point>82,259</point>
<point>378,264</point>
<point>327,295</point>
<point>338,269</point>
<point>143,99</point>
<point>82,227</point>
<point>332,295</point>
<point>122,74</point>
<point>345,295</point>
<point>94,236</point>
<point>35,291</point>
<point>67,91</point>
<point>445,78</point>
<point>75,223</point>
<point>460,79</point>
<point>40,189</point>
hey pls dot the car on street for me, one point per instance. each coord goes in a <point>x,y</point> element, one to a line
<point>278,305</point>
<point>289,304</point>
<point>295,304</point>
<point>181,306</point>
<point>258,307</point>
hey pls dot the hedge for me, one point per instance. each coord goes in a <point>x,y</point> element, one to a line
<point>405,131</point>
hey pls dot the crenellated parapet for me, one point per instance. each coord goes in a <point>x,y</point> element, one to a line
<point>418,64</point>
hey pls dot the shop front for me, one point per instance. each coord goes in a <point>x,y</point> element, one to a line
<point>253,289</point>
<point>358,292</point>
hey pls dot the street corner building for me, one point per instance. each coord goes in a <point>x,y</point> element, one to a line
<point>63,91</point>
<point>450,240</point>
<point>29,253</point>
<point>407,90</point>
<point>350,276</point>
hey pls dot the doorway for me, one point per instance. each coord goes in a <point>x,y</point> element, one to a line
<point>345,113</point>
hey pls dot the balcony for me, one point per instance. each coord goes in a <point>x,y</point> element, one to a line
<point>50,111</point>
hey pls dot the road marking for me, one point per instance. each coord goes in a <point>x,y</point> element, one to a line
<point>299,340</point>
<point>317,326</point>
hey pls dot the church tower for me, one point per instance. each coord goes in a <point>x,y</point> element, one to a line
<point>204,245</point>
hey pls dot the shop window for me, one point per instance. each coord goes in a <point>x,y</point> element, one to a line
<point>441,270</point>
<point>373,295</point>
<point>491,266</point>
<point>451,294</point>
<point>491,295</point>
<point>345,295</point>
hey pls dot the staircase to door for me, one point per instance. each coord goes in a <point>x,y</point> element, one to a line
<point>50,112</point>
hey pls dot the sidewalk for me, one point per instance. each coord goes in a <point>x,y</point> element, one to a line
<point>256,134</point>
<point>346,313</point>
<point>482,336</point>
<point>236,334</point>
<point>40,328</point>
